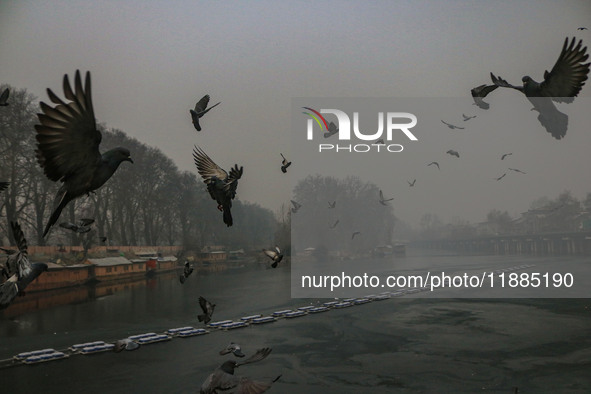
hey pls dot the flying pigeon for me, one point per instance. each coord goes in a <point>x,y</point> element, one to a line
<point>355,233</point>
<point>516,170</point>
<point>335,224</point>
<point>505,155</point>
<point>67,146</point>
<point>451,126</point>
<point>383,201</point>
<point>274,255</point>
<point>200,110</point>
<point>4,185</point>
<point>222,380</point>
<point>331,205</point>
<point>232,348</point>
<point>17,271</point>
<point>561,84</point>
<point>466,118</point>
<point>582,28</point>
<point>411,184</point>
<point>453,153</point>
<point>332,130</point>
<point>434,162</point>
<point>480,92</point>
<point>4,97</point>
<point>82,227</point>
<point>296,206</point>
<point>125,344</point>
<point>284,164</point>
<point>501,177</point>
<point>221,186</point>
<point>186,271</point>
<point>207,308</point>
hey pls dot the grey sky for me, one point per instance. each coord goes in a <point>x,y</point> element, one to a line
<point>151,61</point>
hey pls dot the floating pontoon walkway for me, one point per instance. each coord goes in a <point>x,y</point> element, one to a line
<point>88,348</point>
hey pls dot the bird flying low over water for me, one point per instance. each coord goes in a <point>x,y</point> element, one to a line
<point>466,118</point>
<point>82,227</point>
<point>220,185</point>
<point>274,255</point>
<point>434,163</point>
<point>561,84</point>
<point>505,155</point>
<point>232,348</point>
<point>284,164</point>
<point>17,272</point>
<point>453,153</point>
<point>383,201</point>
<point>223,380</point>
<point>480,92</point>
<point>451,126</point>
<point>4,97</point>
<point>207,308</point>
<point>411,184</point>
<point>332,130</point>
<point>200,110</point>
<point>125,344</point>
<point>295,206</point>
<point>517,170</point>
<point>68,146</point>
<point>187,270</point>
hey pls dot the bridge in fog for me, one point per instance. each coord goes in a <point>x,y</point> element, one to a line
<point>573,243</point>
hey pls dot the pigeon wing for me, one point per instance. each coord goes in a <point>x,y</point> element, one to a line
<point>258,356</point>
<point>203,304</point>
<point>67,137</point>
<point>85,222</point>
<point>202,104</point>
<point>206,167</point>
<point>568,75</point>
<point>498,81</point>
<point>248,386</point>
<point>270,253</point>
<point>69,226</point>
<point>4,96</point>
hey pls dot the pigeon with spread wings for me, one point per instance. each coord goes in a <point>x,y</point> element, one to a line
<point>223,380</point>
<point>207,308</point>
<point>200,110</point>
<point>220,185</point>
<point>562,84</point>
<point>274,255</point>
<point>284,164</point>
<point>18,270</point>
<point>68,146</point>
<point>383,200</point>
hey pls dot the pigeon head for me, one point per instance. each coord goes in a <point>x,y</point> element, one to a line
<point>228,367</point>
<point>117,155</point>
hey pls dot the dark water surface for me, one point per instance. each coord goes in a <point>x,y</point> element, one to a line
<point>406,345</point>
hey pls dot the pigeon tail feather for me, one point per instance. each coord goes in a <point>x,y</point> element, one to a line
<point>66,198</point>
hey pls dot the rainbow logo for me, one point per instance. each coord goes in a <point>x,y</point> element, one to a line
<point>315,115</point>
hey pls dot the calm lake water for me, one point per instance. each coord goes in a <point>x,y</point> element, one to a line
<point>401,345</point>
